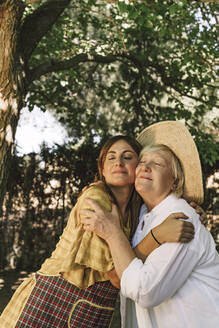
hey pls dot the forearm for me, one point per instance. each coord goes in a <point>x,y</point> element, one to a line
<point>121,251</point>
<point>171,230</point>
<point>113,278</point>
<point>146,246</point>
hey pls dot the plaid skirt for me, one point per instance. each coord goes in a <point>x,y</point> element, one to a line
<point>56,303</point>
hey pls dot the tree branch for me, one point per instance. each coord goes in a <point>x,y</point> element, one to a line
<point>58,65</point>
<point>37,24</point>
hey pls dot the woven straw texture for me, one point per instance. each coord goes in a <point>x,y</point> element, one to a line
<point>176,136</point>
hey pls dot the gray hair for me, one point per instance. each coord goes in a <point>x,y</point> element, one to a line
<point>176,167</point>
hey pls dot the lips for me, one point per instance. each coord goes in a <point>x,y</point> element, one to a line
<point>146,178</point>
<point>119,172</point>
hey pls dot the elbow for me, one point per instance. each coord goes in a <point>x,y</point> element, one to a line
<point>150,300</point>
<point>148,303</point>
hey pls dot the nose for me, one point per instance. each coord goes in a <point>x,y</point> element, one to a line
<point>146,167</point>
<point>119,161</point>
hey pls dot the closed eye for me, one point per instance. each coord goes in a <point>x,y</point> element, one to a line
<point>141,163</point>
<point>159,164</point>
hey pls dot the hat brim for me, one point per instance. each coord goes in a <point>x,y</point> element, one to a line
<point>176,136</point>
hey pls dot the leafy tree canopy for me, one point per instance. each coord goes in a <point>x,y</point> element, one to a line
<point>111,67</point>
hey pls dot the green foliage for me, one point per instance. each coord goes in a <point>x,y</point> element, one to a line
<point>165,69</point>
<point>42,189</point>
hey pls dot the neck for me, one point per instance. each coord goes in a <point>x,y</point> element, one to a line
<point>151,202</point>
<point>122,195</point>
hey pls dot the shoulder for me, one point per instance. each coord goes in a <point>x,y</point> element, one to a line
<point>97,192</point>
<point>183,205</point>
<point>180,205</point>
<point>94,190</point>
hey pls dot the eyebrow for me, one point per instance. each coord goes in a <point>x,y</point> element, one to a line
<point>125,151</point>
<point>155,158</point>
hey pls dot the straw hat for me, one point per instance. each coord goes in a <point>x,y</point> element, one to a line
<point>176,136</point>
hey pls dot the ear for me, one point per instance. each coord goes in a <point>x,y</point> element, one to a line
<point>174,185</point>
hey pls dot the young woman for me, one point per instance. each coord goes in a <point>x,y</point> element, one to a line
<point>178,284</point>
<point>73,288</point>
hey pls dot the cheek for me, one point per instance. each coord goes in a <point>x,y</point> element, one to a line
<point>105,169</point>
<point>168,180</point>
<point>137,170</point>
<point>133,169</point>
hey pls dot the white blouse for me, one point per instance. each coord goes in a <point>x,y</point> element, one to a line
<point>178,284</point>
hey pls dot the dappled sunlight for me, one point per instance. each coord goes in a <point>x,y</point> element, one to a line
<point>9,134</point>
<point>9,282</point>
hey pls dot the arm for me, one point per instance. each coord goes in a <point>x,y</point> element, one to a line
<point>92,251</point>
<point>113,278</point>
<point>199,210</point>
<point>161,276</point>
<point>170,230</point>
<point>107,226</point>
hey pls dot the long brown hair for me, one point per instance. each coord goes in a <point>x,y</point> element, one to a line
<point>102,157</point>
<point>135,200</point>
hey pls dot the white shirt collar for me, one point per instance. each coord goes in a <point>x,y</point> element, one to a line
<point>163,204</point>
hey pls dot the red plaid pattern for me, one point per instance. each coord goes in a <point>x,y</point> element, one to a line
<point>56,303</point>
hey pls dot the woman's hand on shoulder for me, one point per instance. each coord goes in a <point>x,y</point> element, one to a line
<point>199,210</point>
<point>174,230</point>
<point>100,221</point>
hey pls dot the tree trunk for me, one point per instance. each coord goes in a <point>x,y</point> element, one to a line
<point>12,87</point>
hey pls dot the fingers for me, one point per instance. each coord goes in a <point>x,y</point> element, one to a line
<point>94,205</point>
<point>186,238</point>
<point>85,220</point>
<point>193,204</point>
<point>88,218</point>
<point>86,212</point>
<point>86,223</point>
<point>187,233</point>
<point>187,227</point>
<point>199,210</point>
<point>179,215</point>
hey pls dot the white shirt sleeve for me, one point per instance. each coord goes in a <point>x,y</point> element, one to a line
<point>163,273</point>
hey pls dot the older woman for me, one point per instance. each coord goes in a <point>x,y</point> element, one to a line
<point>178,284</point>
<point>72,288</point>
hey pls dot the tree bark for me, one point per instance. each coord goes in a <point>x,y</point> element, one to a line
<point>11,83</point>
<point>18,39</point>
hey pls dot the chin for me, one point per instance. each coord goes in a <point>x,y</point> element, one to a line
<point>140,189</point>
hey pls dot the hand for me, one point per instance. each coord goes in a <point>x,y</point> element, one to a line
<point>96,219</point>
<point>173,230</point>
<point>199,210</point>
<point>114,279</point>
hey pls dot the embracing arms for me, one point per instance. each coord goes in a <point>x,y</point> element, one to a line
<point>106,225</point>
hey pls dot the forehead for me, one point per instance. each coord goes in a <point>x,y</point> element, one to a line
<point>120,146</point>
<point>157,154</point>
